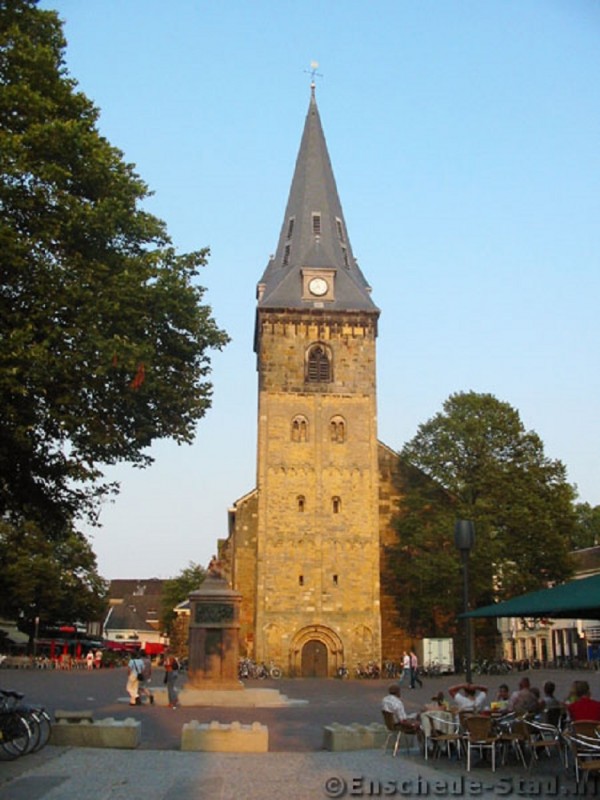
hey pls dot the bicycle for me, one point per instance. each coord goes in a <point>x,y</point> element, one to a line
<point>16,736</point>
<point>24,728</point>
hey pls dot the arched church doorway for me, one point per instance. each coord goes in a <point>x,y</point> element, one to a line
<point>314,660</point>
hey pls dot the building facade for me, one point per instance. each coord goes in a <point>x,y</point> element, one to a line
<point>305,547</point>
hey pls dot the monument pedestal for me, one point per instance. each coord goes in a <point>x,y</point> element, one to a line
<point>214,637</point>
<point>214,652</point>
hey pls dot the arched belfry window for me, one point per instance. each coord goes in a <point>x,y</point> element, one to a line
<point>299,429</point>
<point>337,429</point>
<point>336,504</point>
<point>318,365</point>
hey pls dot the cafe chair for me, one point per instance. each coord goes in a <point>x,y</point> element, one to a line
<point>586,753</point>
<point>547,738</point>
<point>480,735</point>
<point>513,734</point>
<point>444,735</point>
<point>409,728</point>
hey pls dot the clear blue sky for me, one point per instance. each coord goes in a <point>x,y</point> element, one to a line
<point>465,140</point>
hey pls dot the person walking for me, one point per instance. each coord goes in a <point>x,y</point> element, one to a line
<point>135,668</point>
<point>405,669</point>
<point>414,670</point>
<point>144,679</point>
<point>171,674</point>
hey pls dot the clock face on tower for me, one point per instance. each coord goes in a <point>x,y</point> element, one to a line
<point>318,286</point>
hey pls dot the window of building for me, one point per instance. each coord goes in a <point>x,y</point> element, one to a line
<point>336,505</point>
<point>318,365</point>
<point>290,229</point>
<point>340,229</point>
<point>300,580</point>
<point>316,224</point>
<point>337,430</point>
<point>299,429</point>
<point>301,501</point>
<point>286,255</point>
<point>335,580</point>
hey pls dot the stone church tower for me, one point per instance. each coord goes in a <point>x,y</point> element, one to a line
<point>304,548</point>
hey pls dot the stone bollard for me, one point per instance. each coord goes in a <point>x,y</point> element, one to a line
<point>109,732</point>
<point>228,738</point>
<point>338,738</point>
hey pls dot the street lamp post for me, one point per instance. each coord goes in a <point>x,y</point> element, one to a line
<point>464,539</point>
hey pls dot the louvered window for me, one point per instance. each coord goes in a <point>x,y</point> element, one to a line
<point>319,365</point>
<point>340,229</point>
<point>290,227</point>
<point>316,223</point>
<point>286,255</point>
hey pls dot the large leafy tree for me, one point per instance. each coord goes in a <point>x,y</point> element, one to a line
<point>475,460</point>
<point>104,339</point>
<point>54,579</point>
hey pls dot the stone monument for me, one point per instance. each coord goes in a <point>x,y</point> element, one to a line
<point>214,634</point>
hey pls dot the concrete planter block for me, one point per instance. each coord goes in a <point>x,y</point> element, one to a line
<point>338,738</point>
<point>217,738</point>
<point>109,732</point>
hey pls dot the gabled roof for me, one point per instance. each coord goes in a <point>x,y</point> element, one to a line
<point>123,587</point>
<point>305,245</point>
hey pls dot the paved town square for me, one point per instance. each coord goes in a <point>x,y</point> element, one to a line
<point>295,767</point>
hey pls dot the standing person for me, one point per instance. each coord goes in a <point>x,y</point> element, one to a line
<point>414,671</point>
<point>89,660</point>
<point>171,674</point>
<point>405,668</point>
<point>144,679</point>
<point>135,668</point>
<point>98,659</point>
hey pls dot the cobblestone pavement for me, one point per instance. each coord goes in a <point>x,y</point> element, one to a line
<point>296,766</point>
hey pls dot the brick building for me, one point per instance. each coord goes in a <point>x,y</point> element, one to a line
<point>305,548</point>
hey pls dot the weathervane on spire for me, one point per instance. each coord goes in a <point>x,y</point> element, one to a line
<point>314,65</point>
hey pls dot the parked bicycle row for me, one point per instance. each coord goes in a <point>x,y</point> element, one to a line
<point>24,728</point>
<point>247,668</point>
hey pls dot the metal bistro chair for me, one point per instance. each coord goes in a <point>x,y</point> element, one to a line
<point>480,735</point>
<point>586,754</point>
<point>399,729</point>
<point>444,733</point>
<point>513,734</point>
<point>546,737</point>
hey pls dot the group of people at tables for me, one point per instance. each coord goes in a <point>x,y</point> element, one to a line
<point>526,700</point>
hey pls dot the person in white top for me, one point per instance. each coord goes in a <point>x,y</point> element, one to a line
<point>468,696</point>
<point>392,703</point>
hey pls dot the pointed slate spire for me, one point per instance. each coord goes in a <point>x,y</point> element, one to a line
<point>313,235</point>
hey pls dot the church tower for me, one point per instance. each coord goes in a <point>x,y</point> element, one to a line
<point>312,551</point>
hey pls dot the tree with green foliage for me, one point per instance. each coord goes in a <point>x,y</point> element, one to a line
<point>52,578</point>
<point>587,530</point>
<point>476,461</point>
<point>104,339</point>
<point>175,591</point>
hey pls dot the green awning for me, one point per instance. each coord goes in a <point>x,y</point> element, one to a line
<point>579,599</point>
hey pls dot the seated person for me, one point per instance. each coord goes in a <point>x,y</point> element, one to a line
<point>500,704</point>
<point>524,701</point>
<point>438,703</point>
<point>394,705</point>
<point>583,707</point>
<point>468,697</point>
<point>553,710</point>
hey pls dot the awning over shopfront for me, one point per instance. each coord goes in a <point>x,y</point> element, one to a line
<point>579,599</point>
